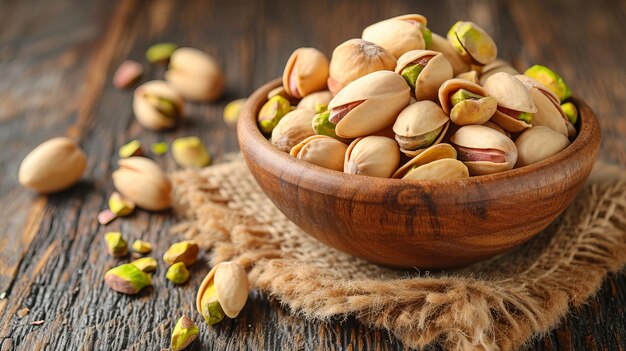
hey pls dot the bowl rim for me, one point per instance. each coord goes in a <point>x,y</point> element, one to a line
<point>349,186</point>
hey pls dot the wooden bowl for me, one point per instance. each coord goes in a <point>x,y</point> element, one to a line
<point>410,223</point>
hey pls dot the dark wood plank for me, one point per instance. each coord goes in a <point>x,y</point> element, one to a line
<point>56,61</point>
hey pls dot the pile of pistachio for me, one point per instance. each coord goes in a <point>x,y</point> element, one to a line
<point>404,102</point>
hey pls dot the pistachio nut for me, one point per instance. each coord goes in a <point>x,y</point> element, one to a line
<point>184,251</point>
<point>537,144</point>
<point>115,244</point>
<point>195,75</point>
<point>52,166</point>
<point>550,79</point>
<point>232,110</point>
<point>160,52</point>
<point>321,150</point>
<point>127,74</point>
<point>466,102</point>
<point>317,102</point>
<point>159,148</point>
<point>472,43</point>
<point>185,332</point>
<point>280,91</point>
<point>224,291</point>
<point>146,264</point>
<point>120,205</point>
<point>306,72</point>
<point>132,148</point>
<point>141,247</point>
<point>292,129</point>
<point>157,105</point>
<point>142,181</point>
<point>354,59</point>
<point>490,124</point>
<point>484,150</point>
<point>190,152</point>
<point>271,113</point>
<point>471,76</point>
<point>442,45</point>
<point>177,273</point>
<point>515,104</point>
<point>571,112</point>
<point>369,104</point>
<point>399,34</point>
<point>424,71</point>
<point>549,113</point>
<point>426,165</point>
<point>323,126</point>
<point>494,67</point>
<point>127,279</point>
<point>374,156</point>
<point>419,126</point>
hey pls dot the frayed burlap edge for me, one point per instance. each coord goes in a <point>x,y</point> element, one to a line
<point>513,297</point>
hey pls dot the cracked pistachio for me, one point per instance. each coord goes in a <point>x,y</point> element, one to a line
<point>142,181</point>
<point>141,247</point>
<point>442,45</point>
<point>374,156</point>
<point>292,129</point>
<point>306,72</point>
<point>160,52</point>
<point>177,273</point>
<point>223,292</point>
<point>190,152</point>
<point>232,110</point>
<point>549,113</point>
<point>354,59</point>
<point>195,74</point>
<point>132,148</point>
<point>120,205</point>
<point>146,264</point>
<point>272,112</point>
<point>472,43</point>
<point>424,71</point>
<point>571,112</point>
<point>127,279</point>
<point>157,105</point>
<point>419,126</point>
<point>550,79</point>
<point>466,102</point>
<point>323,126</point>
<point>515,104</point>
<point>399,34</point>
<point>322,151</point>
<point>484,150</point>
<point>184,333</point>
<point>115,244</point>
<point>537,144</point>
<point>369,104</point>
<point>317,102</point>
<point>184,251</point>
<point>438,162</point>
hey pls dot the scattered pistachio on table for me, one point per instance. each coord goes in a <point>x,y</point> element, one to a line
<point>127,74</point>
<point>146,264</point>
<point>127,279</point>
<point>160,52</point>
<point>232,110</point>
<point>141,247</point>
<point>190,152</point>
<point>119,205</point>
<point>223,292</point>
<point>115,244</point>
<point>142,181</point>
<point>184,251</point>
<point>132,148</point>
<point>184,333</point>
<point>177,273</point>
<point>157,105</point>
<point>195,75</point>
<point>106,216</point>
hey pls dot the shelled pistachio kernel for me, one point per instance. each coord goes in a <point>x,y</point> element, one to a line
<point>127,279</point>
<point>184,251</point>
<point>271,113</point>
<point>550,79</point>
<point>570,111</point>
<point>159,148</point>
<point>115,244</point>
<point>177,273</point>
<point>127,73</point>
<point>146,264</point>
<point>141,247</point>
<point>185,332</point>
<point>322,126</point>
<point>190,152</point>
<point>160,52</point>
<point>232,110</point>
<point>119,205</point>
<point>132,148</point>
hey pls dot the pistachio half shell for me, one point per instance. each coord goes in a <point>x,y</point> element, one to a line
<point>424,71</point>
<point>292,129</point>
<point>419,126</point>
<point>374,156</point>
<point>443,169</point>
<point>143,182</point>
<point>399,34</point>
<point>227,285</point>
<point>549,113</point>
<point>195,74</point>
<point>515,104</point>
<point>471,76</point>
<point>484,150</point>
<point>369,104</point>
<point>321,150</point>
<point>317,102</point>
<point>306,72</point>
<point>472,43</point>
<point>157,105</point>
<point>466,102</point>
<point>433,153</point>
<point>537,144</point>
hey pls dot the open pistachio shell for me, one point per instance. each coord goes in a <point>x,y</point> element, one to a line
<point>475,110</point>
<point>321,150</point>
<point>436,71</point>
<point>490,124</point>
<point>549,113</point>
<point>440,44</point>
<point>471,76</point>
<point>374,156</point>
<point>306,72</point>
<point>157,105</point>
<point>292,129</point>
<point>317,102</point>
<point>419,126</point>
<point>354,59</point>
<point>472,43</point>
<point>511,95</point>
<point>433,153</point>
<point>538,143</point>
<point>369,104</point>
<point>494,67</point>
<point>399,34</point>
<point>439,170</point>
<point>484,150</point>
<point>229,284</point>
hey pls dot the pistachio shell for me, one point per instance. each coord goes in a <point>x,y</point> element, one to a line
<point>510,92</point>
<point>467,111</point>
<point>52,166</point>
<point>436,71</point>
<point>472,43</point>
<point>471,76</point>
<point>292,129</point>
<point>306,72</point>
<point>537,144</point>
<point>147,113</point>
<point>231,288</point>
<point>195,75</point>
<point>433,153</point>
<point>142,181</point>
<point>417,120</point>
<point>439,170</point>
<point>484,150</point>
<point>354,59</point>
<point>317,102</point>
<point>374,156</point>
<point>550,79</point>
<point>383,94</point>
<point>442,45</point>
<point>549,112</point>
<point>321,150</point>
<point>490,124</point>
<point>494,67</point>
<point>398,35</point>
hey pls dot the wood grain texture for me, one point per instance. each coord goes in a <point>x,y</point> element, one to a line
<point>56,64</point>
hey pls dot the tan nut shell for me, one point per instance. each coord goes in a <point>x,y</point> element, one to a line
<point>374,156</point>
<point>397,35</point>
<point>481,137</point>
<point>231,288</point>
<point>433,153</point>
<point>354,59</point>
<point>471,76</point>
<point>147,115</point>
<point>549,112</point>
<point>490,124</point>
<point>311,71</point>
<point>142,181</point>
<point>385,94</point>
<point>195,75</point>
<point>420,118</point>
<point>467,111</point>
<point>52,166</point>
<point>294,127</point>
<point>442,45</point>
<point>321,150</point>
<point>443,169</point>
<point>511,94</point>
<point>437,71</point>
<point>494,67</point>
<point>537,144</point>
<point>310,101</point>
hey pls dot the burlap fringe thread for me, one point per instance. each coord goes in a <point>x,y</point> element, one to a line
<point>494,305</point>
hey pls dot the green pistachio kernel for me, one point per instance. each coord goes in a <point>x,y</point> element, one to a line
<point>526,117</point>
<point>322,126</point>
<point>272,112</point>
<point>462,95</point>
<point>570,111</point>
<point>410,74</point>
<point>160,52</point>
<point>159,148</point>
<point>419,141</point>
<point>164,106</point>
<point>550,79</point>
<point>177,273</point>
<point>428,36</point>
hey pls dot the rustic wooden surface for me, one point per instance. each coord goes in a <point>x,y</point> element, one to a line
<point>56,62</point>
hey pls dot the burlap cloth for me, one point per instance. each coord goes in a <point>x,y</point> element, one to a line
<point>496,304</point>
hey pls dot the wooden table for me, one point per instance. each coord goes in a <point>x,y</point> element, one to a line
<point>56,63</point>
